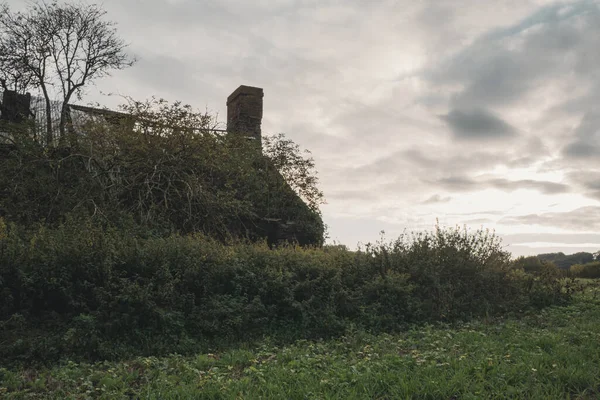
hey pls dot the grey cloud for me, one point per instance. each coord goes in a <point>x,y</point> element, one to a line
<point>542,186</point>
<point>532,150</point>
<point>502,66</point>
<point>488,74</point>
<point>522,162</point>
<point>457,184</point>
<point>390,164</point>
<point>477,124</point>
<point>437,15</point>
<point>574,238</point>
<point>163,73</point>
<point>580,149</point>
<point>587,100</point>
<point>499,79</point>
<point>479,221</point>
<point>436,159</point>
<point>489,212</point>
<point>448,26</point>
<point>521,250</point>
<point>378,123</point>
<point>580,219</point>
<point>462,184</point>
<point>164,15</point>
<point>586,144</point>
<point>436,198</point>
<point>361,195</point>
<point>588,180</point>
<point>437,166</point>
<point>589,126</point>
<point>321,143</point>
<point>556,45</point>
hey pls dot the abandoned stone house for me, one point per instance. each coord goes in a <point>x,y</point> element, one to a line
<point>244,110</point>
<point>244,116</point>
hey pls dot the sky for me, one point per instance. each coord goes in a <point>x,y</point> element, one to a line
<point>484,114</point>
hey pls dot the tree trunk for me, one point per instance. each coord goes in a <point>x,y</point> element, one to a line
<point>65,119</point>
<point>49,138</point>
<point>66,124</point>
<point>63,122</point>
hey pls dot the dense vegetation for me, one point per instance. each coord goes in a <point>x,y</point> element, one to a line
<point>151,235</point>
<point>565,261</point>
<point>146,238</point>
<point>578,265</point>
<point>148,233</point>
<point>536,266</point>
<point>160,166</point>
<point>550,354</point>
<point>86,291</point>
<point>588,270</point>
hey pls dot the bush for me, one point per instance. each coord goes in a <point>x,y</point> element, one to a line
<point>161,166</point>
<point>83,290</point>
<point>589,270</point>
<point>538,267</point>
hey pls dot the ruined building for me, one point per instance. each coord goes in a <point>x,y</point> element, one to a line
<point>293,220</point>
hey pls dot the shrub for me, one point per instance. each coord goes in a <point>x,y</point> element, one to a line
<point>589,270</point>
<point>161,166</point>
<point>84,290</point>
<point>537,266</point>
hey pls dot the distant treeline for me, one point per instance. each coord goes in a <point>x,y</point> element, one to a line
<point>563,261</point>
<point>578,265</point>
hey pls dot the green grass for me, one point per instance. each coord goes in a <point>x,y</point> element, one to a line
<point>551,354</point>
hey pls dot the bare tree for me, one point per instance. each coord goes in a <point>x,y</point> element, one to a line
<point>14,80</point>
<point>11,78</point>
<point>24,52</point>
<point>62,47</point>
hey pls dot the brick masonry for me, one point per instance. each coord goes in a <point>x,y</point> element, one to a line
<point>245,111</point>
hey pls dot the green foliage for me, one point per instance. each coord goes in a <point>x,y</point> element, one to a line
<point>297,169</point>
<point>589,270</point>
<point>85,290</point>
<point>160,166</point>
<point>536,266</point>
<point>547,354</point>
<point>564,261</point>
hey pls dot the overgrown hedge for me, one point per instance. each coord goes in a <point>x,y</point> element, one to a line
<point>164,168</point>
<point>589,270</point>
<point>84,291</point>
<point>538,267</point>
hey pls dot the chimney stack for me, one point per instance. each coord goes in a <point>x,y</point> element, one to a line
<point>244,111</point>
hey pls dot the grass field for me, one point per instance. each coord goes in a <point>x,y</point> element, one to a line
<point>552,354</point>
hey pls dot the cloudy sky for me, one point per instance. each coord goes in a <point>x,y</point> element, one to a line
<point>484,113</point>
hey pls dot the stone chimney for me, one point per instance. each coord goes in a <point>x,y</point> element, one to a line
<point>244,112</point>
